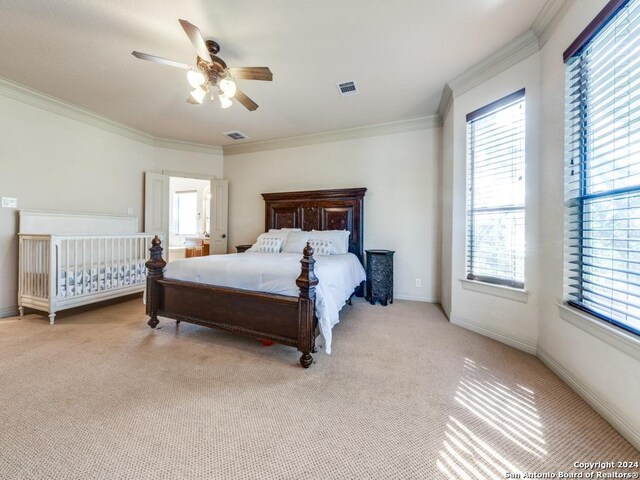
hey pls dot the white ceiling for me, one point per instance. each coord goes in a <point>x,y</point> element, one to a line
<point>401,53</point>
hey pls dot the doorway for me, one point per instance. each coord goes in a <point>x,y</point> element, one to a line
<point>190,211</point>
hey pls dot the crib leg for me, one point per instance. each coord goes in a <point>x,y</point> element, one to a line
<point>21,310</point>
<point>52,318</point>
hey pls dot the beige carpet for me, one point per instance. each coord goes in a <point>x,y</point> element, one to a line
<point>405,394</point>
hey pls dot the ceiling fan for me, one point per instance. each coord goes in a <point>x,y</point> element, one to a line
<point>212,75</point>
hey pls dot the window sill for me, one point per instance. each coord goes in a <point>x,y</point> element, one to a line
<point>509,293</point>
<point>614,336</point>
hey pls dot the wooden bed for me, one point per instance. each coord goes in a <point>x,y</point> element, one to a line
<point>282,319</point>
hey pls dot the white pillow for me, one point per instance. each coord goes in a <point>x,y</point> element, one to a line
<point>321,247</point>
<point>262,236</point>
<point>270,245</point>
<point>295,242</point>
<point>340,239</point>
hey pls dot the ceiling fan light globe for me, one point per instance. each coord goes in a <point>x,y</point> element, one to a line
<point>198,94</point>
<point>195,79</point>
<point>228,87</point>
<point>225,102</point>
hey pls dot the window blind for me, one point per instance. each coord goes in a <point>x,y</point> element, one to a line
<point>496,201</point>
<point>603,168</point>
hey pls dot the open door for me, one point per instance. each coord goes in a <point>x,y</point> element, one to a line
<point>156,205</point>
<point>219,216</point>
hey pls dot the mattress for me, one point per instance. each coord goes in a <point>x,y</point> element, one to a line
<point>276,273</point>
<point>96,279</point>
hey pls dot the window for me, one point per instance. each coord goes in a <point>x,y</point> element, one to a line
<point>495,182</point>
<point>185,212</point>
<point>603,166</point>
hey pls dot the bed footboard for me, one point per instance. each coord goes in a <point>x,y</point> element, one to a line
<point>286,320</point>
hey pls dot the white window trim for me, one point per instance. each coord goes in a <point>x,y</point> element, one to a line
<point>618,338</point>
<point>502,291</point>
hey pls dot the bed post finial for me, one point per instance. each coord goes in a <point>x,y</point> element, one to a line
<point>307,282</point>
<point>155,267</point>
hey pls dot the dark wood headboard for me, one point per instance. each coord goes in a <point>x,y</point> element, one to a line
<point>341,209</point>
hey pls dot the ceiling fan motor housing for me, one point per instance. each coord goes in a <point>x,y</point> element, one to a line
<point>212,46</point>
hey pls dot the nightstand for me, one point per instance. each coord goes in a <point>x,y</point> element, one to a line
<point>380,276</point>
<point>242,248</point>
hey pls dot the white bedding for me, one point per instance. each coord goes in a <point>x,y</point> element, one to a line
<point>276,273</point>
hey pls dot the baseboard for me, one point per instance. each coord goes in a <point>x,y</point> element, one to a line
<point>446,308</point>
<point>611,414</point>
<point>520,344</point>
<point>9,311</point>
<point>416,298</point>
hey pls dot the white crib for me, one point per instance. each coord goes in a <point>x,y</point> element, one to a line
<point>60,271</point>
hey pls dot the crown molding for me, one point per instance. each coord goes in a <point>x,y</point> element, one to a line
<point>37,99</point>
<point>512,53</point>
<point>515,51</point>
<point>547,20</point>
<point>186,146</point>
<point>408,125</point>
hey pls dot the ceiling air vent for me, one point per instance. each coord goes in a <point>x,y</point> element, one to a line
<point>348,88</point>
<point>235,135</point>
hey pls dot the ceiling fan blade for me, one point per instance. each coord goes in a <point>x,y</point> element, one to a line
<point>192,101</point>
<point>163,61</point>
<point>196,39</point>
<point>246,101</point>
<point>252,73</point>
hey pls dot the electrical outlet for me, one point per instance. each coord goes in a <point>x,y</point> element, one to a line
<point>418,283</point>
<point>9,202</point>
<point>130,211</point>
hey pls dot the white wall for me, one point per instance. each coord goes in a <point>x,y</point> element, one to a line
<point>51,162</point>
<point>512,321</point>
<point>401,205</point>
<point>602,367</point>
<point>446,187</point>
<point>603,370</point>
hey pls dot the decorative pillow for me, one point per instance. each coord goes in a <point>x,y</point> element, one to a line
<point>296,241</point>
<point>340,239</point>
<point>277,234</point>
<point>270,245</point>
<point>321,247</point>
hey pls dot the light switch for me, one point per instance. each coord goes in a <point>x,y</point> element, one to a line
<point>9,202</point>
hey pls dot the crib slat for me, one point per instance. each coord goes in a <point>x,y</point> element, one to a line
<point>119,259</point>
<point>43,264</point>
<point>66,276</point>
<point>29,268</point>
<point>98,264</point>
